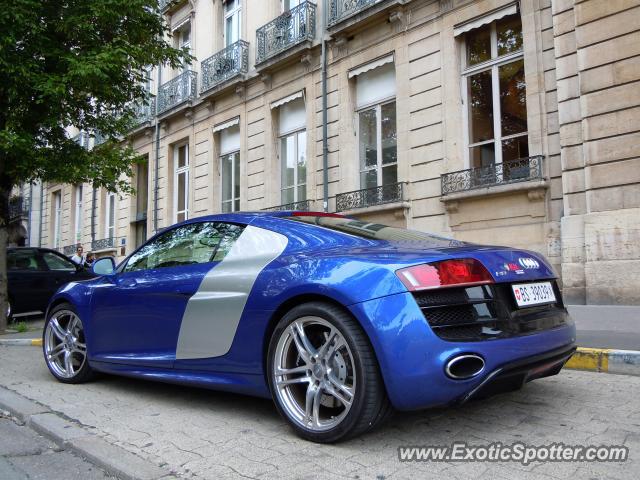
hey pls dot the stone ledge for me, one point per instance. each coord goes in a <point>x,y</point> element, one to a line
<point>535,191</point>
<point>385,207</point>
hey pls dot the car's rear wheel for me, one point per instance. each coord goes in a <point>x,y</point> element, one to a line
<point>323,374</point>
<point>65,347</point>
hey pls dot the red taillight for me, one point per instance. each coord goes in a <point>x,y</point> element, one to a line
<point>460,272</point>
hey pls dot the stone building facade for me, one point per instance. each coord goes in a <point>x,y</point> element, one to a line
<point>492,121</point>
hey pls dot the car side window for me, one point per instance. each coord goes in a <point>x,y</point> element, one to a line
<point>57,262</point>
<point>22,260</point>
<point>190,244</point>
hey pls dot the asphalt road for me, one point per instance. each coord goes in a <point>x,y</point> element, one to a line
<point>200,434</point>
<point>25,455</point>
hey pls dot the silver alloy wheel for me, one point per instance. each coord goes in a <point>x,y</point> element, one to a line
<point>8,309</point>
<point>314,374</point>
<point>65,349</point>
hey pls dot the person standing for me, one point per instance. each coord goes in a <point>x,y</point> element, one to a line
<point>78,258</point>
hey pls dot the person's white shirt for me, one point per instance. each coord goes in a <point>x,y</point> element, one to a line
<point>77,259</point>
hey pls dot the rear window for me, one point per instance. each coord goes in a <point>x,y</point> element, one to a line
<point>376,231</point>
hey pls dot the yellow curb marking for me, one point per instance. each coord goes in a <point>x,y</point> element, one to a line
<point>594,359</point>
<point>36,342</point>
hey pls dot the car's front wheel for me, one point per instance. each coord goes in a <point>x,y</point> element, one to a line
<point>323,374</point>
<point>65,346</point>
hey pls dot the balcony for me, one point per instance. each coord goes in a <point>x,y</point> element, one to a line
<point>18,208</point>
<point>69,250</point>
<point>228,63</point>
<point>370,197</point>
<point>175,92</point>
<point>286,31</point>
<point>340,10</point>
<point>104,244</point>
<point>144,113</point>
<point>511,172</point>
<point>301,206</point>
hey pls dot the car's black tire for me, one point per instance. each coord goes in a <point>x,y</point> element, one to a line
<point>84,372</point>
<point>370,405</point>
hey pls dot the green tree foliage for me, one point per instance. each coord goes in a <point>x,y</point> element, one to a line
<point>72,62</point>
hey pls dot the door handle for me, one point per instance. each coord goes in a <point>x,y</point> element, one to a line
<point>128,282</point>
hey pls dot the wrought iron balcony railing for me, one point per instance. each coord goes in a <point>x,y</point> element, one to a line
<point>512,171</point>
<point>225,65</point>
<point>164,4</point>
<point>289,29</point>
<point>104,243</point>
<point>341,9</point>
<point>70,249</point>
<point>179,90</point>
<point>144,113</point>
<point>368,197</point>
<point>301,206</point>
<point>18,207</point>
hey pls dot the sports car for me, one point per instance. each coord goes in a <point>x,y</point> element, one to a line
<point>339,321</point>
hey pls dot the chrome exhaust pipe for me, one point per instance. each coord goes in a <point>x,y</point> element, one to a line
<point>464,367</point>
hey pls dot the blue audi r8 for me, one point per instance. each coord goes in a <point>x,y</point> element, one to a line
<point>340,321</point>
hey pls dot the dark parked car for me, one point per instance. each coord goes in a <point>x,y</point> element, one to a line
<point>34,275</point>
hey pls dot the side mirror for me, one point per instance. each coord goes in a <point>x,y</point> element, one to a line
<point>104,266</point>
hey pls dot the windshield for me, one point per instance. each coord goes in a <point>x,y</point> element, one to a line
<point>376,231</point>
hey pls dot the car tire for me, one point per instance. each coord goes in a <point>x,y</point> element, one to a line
<point>347,366</point>
<point>64,345</point>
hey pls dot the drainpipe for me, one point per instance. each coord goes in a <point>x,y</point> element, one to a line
<point>29,214</point>
<point>156,169</point>
<point>325,145</point>
<point>41,213</point>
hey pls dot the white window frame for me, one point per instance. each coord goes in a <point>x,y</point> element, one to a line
<point>79,213</point>
<point>57,218</point>
<point>176,176</point>
<point>493,64</point>
<point>186,26</point>
<point>110,228</point>
<point>296,180</point>
<point>237,10</point>
<point>378,106</point>
<point>235,158</point>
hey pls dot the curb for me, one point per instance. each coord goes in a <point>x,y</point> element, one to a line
<point>21,342</point>
<point>72,437</point>
<point>605,360</point>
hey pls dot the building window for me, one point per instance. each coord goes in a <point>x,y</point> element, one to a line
<point>142,202</point>
<point>289,4</point>
<point>182,36</point>
<point>293,151</point>
<point>57,218</point>
<point>181,182</point>
<point>230,166</point>
<point>79,212</point>
<point>232,21</point>
<point>376,123</point>
<point>110,215</point>
<point>494,93</point>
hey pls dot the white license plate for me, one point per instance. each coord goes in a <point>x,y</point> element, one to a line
<point>527,294</point>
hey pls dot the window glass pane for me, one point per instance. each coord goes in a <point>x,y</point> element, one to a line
<point>369,178</point>
<point>22,260</point>
<point>142,188</point>
<point>389,133</point>
<point>389,175</point>
<point>288,160</point>
<point>236,180</point>
<point>478,44</point>
<point>287,195</point>
<point>182,186</point>
<point>56,262</point>
<point>180,217</point>
<point>514,148</point>
<point>112,213</point>
<point>480,99</point>
<point>509,32</point>
<point>368,145</point>
<point>182,157</point>
<point>302,160</point>
<point>513,101</point>
<point>226,177</point>
<point>302,193</point>
<point>236,205</point>
<point>226,206</point>
<point>482,155</point>
<point>187,245</point>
